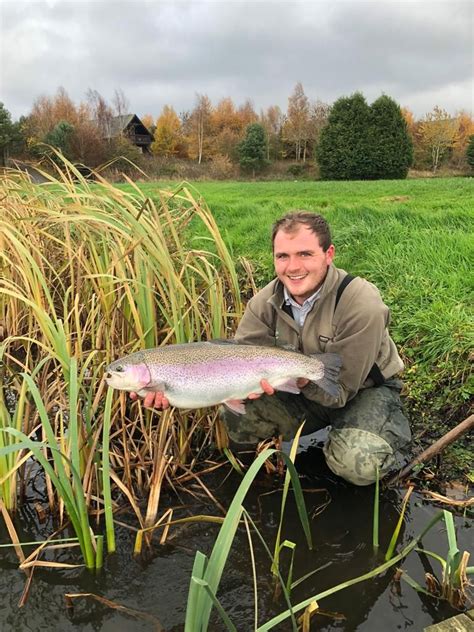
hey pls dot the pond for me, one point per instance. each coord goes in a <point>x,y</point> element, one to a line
<point>156,586</point>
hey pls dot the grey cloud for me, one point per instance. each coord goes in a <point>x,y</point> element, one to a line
<point>164,52</point>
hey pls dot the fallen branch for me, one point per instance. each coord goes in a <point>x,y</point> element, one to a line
<point>434,449</point>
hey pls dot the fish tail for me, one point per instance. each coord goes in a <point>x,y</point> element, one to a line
<point>332,363</point>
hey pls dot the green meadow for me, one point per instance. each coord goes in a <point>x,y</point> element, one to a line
<point>412,238</point>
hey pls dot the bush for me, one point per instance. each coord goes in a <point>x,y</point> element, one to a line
<point>299,169</point>
<point>221,167</point>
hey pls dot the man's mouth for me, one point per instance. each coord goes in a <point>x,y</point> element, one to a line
<point>297,277</point>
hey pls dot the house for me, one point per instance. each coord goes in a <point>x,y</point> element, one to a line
<point>130,125</point>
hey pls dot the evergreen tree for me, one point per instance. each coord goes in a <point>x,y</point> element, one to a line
<point>343,152</point>
<point>362,142</point>
<point>470,152</point>
<point>9,133</point>
<point>60,137</point>
<point>390,143</point>
<point>252,150</point>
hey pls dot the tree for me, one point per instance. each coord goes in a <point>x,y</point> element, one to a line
<point>60,137</point>
<point>362,142</point>
<point>318,119</point>
<point>297,124</point>
<point>343,152</point>
<point>101,113</point>
<point>439,132</point>
<point>391,145</point>
<point>470,152</point>
<point>227,129</point>
<point>464,133</point>
<point>252,149</point>
<point>167,133</point>
<point>9,133</point>
<point>272,121</point>
<point>120,103</point>
<point>199,128</point>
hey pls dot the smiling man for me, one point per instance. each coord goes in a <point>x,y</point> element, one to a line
<point>314,307</point>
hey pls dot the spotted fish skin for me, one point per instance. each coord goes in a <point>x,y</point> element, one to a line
<point>201,374</point>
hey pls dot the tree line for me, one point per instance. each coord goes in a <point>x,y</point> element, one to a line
<point>348,139</point>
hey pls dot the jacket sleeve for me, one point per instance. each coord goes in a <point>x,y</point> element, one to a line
<point>358,337</point>
<point>255,328</point>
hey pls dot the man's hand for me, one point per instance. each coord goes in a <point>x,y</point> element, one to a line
<point>153,400</point>
<point>269,390</point>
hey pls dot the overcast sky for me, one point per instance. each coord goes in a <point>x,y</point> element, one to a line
<point>420,53</point>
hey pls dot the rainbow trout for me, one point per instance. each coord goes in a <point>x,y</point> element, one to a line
<point>200,374</point>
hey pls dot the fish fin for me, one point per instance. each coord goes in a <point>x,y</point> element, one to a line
<point>235,405</point>
<point>289,386</point>
<point>332,363</point>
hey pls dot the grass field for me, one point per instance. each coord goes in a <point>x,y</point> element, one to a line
<point>413,239</point>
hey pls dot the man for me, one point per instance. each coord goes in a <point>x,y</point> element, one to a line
<point>301,309</point>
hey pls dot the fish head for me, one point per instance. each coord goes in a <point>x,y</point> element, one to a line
<point>127,375</point>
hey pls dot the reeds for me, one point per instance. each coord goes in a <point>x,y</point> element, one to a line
<point>90,273</point>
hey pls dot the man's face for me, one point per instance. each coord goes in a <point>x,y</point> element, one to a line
<point>300,262</point>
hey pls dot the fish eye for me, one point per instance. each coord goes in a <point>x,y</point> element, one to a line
<point>119,369</point>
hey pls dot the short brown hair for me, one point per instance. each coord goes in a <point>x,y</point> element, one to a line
<point>316,224</point>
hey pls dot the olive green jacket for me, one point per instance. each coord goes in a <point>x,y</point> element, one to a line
<point>357,330</point>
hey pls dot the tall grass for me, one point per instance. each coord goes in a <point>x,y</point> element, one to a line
<point>90,273</point>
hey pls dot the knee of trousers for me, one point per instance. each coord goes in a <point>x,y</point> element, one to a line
<point>355,455</point>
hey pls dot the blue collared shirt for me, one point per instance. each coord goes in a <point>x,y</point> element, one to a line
<point>301,311</point>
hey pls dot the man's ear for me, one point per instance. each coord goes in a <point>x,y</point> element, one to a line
<point>330,253</point>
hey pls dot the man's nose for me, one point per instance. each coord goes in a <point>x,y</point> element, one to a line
<point>294,263</point>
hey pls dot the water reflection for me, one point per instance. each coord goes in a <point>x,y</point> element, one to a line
<point>342,536</point>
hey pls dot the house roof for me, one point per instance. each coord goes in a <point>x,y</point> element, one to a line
<point>119,124</point>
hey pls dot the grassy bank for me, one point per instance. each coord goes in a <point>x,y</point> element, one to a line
<point>413,239</point>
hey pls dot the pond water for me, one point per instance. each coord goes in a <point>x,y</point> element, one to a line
<point>156,587</point>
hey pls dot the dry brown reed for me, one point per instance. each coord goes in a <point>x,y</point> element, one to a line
<point>91,272</point>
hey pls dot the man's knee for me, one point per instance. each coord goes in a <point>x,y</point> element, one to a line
<point>356,454</point>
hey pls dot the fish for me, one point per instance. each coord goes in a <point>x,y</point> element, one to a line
<point>201,374</point>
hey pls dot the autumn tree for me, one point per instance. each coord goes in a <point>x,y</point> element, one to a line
<point>272,121</point>
<point>101,113</point>
<point>149,122</point>
<point>439,133</point>
<point>120,103</point>
<point>252,149</point>
<point>465,130</point>
<point>198,128</point>
<point>318,119</point>
<point>227,129</point>
<point>296,129</point>
<point>167,134</point>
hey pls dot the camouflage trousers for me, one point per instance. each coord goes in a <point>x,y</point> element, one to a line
<point>366,434</point>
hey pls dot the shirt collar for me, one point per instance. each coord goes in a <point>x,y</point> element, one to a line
<point>309,302</point>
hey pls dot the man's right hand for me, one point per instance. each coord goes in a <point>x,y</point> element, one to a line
<point>153,400</point>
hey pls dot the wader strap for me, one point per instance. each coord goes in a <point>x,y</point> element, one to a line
<point>375,373</point>
<point>286,307</point>
<point>344,283</point>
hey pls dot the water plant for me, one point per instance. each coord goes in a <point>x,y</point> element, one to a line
<point>90,272</point>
